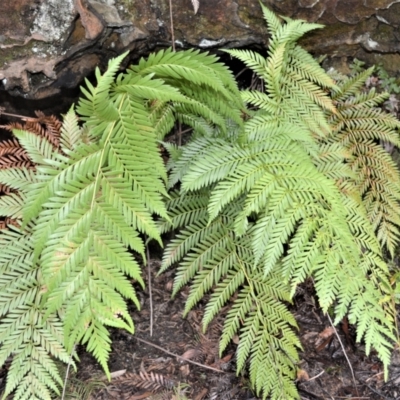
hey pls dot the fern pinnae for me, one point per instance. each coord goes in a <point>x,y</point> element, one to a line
<point>162,117</point>
<point>180,166</point>
<point>182,65</point>
<point>213,166</point>
<point>253,60</point>
<point>233,186</point>
<point>234,317</point>
<point>114,222</point>
<point>101,107</point>
<point>71,132</point>
<point>11,206</point>
<point>207,249</point>
<point>260,99</point>
<point>17,178</point>
<point>38,148</point>
<point>209,276</point>
<point>184,211</point>
<point>291,30</point>
<point>310,70</point>
<point>49,179</point>
<point>39,367</point>
<point>351,85</point>
<point>220,296</point>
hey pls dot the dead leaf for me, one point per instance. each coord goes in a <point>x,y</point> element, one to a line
<point>201,395</point>
<point>116,374</point>
<point>191,353</point>
<point>185,370</point>
<point>302,375</point>
<point>326,333</point>
<point>226,358</point>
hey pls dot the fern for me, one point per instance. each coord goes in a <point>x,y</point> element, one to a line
<point>93,195</point>
<point>360,127</point>
<point>262,199</point>
<point>286,198</point>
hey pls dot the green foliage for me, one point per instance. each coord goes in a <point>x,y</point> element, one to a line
<point>65,271</point>
<point>262,199</point>
<point>388,83</point>
<point>297,193</point>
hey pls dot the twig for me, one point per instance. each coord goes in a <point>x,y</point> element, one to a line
<point>345,354</point>
<point>179,134</point>
<point>150,291</point>
<point>240,72</point>
<point>315,377</point>
<point>66,374</point>
<point>181,358</point>
<point>378,392</point>
<point>172,25</point>
<point>22,117</point>
<point>374,376</point>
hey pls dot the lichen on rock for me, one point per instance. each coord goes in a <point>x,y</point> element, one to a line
<point>53,19</point>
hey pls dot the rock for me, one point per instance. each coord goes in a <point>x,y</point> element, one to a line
<point>47,46</point>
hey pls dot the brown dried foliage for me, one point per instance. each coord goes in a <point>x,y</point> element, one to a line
<point>12,155</point>
<point>45,126</point>
<point>153,382</point>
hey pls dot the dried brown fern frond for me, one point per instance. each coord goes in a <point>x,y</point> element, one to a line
<point>52,127</point>
<point>45,126</point>
<point>4,223</point>
<point>12,155</point>
<point>153,382</point>
<point>361,126</point>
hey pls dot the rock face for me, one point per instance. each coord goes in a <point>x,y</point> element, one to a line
<point>47,46</point>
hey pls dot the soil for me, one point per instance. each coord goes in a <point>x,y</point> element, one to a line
<point>157,361</point>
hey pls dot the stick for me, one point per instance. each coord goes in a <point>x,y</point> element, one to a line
<point>181,358</point>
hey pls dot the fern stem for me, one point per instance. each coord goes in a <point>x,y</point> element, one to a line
<point>97,182</point>
<point>150,291</point>
<point>180,357</point>
<point>67,374</point>
<point>345,354</point>
<point>171,17</point>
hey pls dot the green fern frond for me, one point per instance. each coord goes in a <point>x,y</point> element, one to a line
<point>71,132</point>
<point>17,178</point>
<point>187,65</point>
<point>32,372</point>
<point>162,118</point>
<point>97,106</point>
<point>11,206</point>
<point>292,78</point>
<point>351,85</point>
<point>214,257</point>
<point>292,196</point>
<point>360,127</point>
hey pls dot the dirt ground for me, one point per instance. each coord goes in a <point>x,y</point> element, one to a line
<point>159,364</point>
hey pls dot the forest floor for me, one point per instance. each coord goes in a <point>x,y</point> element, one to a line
<point>159,360</point>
